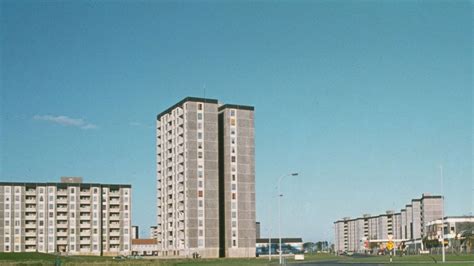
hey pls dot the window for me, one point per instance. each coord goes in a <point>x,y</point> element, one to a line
<point>232,140</point>
<point>234,224</point>
<point>200,193</point>
<point>200,213</point>
<point>232,158</point>
<point>234,214</point>
<point>234,243</point>
<point>234,233</point>
<point>200,145</point>
<point>199,116</point>
<point>232,121</point>
<point>234,186</point>
<point>200,183</point>
<point>199,135</point>
<point>232,112</point>
<point>233,196</point>
<point>232,131</point>
<point>200,223</point>
<point>199,125</point>
<point>200,203</point>
<point>200,155</point>
<point>201,233</point>
<point>199,106</point>
<point>233,177</point>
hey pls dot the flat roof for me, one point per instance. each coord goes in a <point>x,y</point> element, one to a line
<point>236,106</point>
<point>187,99</point>
<point>38,184</point>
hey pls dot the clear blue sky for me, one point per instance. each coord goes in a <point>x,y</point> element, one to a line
<point>364,99</point>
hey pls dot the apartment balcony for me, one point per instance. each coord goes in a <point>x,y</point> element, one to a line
<point>114,217</point>
<point>114,210</point>
<point>85,209</point>
<point>114,201</point>
<point>114,225</point>
<point>61,217</point>
<point>114,233</point>
<point>181,207</point>
<point>30,233</point>
<point>61,209</point>
<point>180,197</point>
<point>84,225</point>
<point>61,192</point>
<point>85,192</point>
<point>85,201</point>
<point>180,188</point>
<point>30,242</point>
<point>30,192</point>
<point>30,201</point>
<point>62,200</point>
<point>30,225</point>
<point>180,178</point>
<point>85,233</point>
<point>180,150</point>
<point>114,242</point>
<point>30,209</point>
<point>86,241</point>
<point>85,217</point>
<point>30,217</point>
<point>62,241</point>
<point>180,226</point>
<point>61,225</point>
<point>61,233</point>
<point>30,248</point>
<point>114,194</point>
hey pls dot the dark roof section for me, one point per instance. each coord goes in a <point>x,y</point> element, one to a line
<point>235,106</point>
<point>61,185</point>
<point>277,240</point>
<point>187,99</point>
<point>431,197</point>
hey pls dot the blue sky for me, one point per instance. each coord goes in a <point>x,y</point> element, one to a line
<point>364,99</point>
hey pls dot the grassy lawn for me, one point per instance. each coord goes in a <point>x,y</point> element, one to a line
<point>48,259</point>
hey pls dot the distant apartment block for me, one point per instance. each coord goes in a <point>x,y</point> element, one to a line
<point>70,217</point>
<point>409,224</point>
<point>205,179</point>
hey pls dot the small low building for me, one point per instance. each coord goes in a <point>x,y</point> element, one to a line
<point>289,246</point>
<point>455,228</point>
<point>145,247</point>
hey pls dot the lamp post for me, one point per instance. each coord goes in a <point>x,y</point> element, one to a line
<point>442,216</point>
<point>279,212</point>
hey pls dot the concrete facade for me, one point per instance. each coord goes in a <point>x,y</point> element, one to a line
<point>200,179</point>
<point>409,224</point>
<point>237,179</point>
<point>69,217</point>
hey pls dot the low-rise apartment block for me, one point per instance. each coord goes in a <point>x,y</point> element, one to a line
<point>409,224</point>
<point>69,217</point>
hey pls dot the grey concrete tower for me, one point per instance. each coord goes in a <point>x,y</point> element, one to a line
<point>237,180</point>
<point>187,179</point>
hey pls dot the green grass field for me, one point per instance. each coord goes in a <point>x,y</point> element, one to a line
<point>47,259</point>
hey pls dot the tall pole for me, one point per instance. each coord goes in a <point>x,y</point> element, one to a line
<point>442,216</point>
<point>279,214</point>
<point>269,247</point>
<point>279,220</point>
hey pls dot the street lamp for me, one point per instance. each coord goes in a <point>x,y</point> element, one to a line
<point>279,211</point>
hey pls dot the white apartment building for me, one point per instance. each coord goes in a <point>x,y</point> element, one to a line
<point>70,217</point>
<point>409,224</point>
